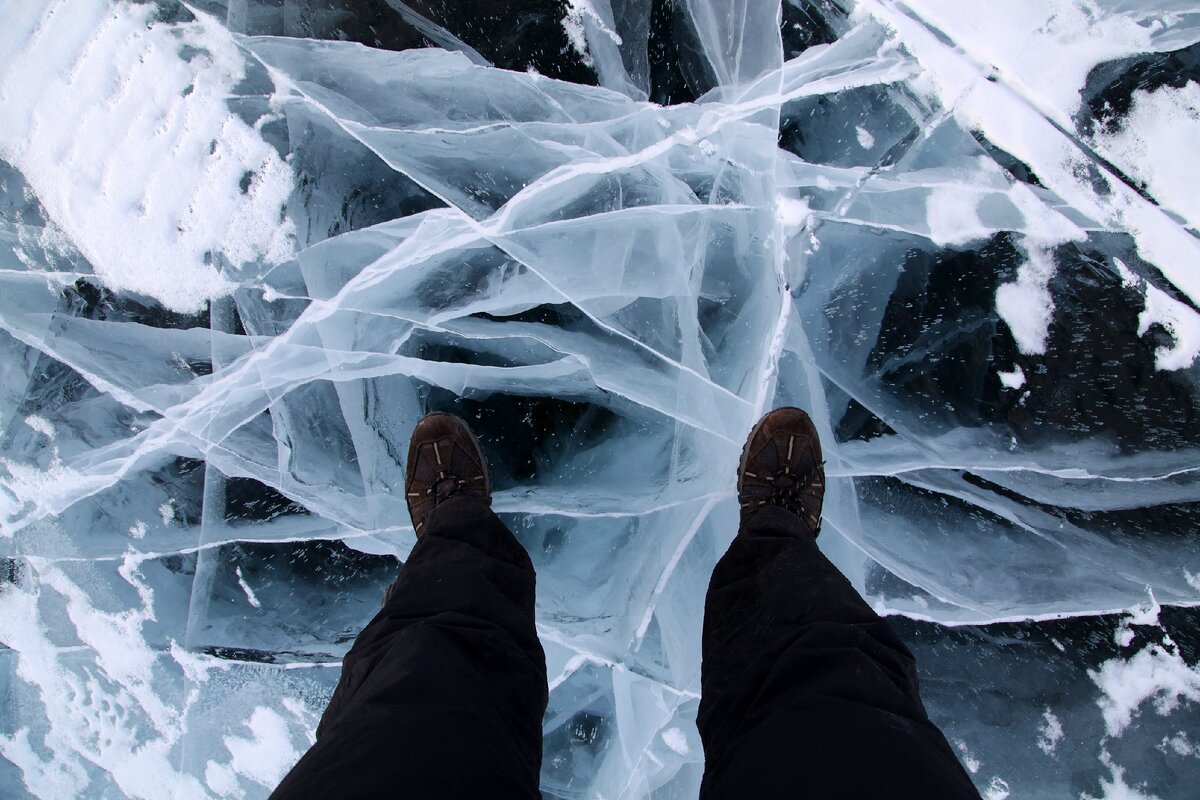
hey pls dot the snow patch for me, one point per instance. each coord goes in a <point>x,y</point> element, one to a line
<point>792,213</point>
<point>132,149</point>
<point>580,15</point>
<point>1179,744</point>
<point>1193,580</point>
<point>1142,614</point>
<point>254,601</point>
<point>952,218</point>
<point>865,140</point>
<point>1145,613</point>
<point>1128,278</point>
<point>1123,636</point>
<point>1022,36</point>
<point>1154,673</point>
<point>1026,305</point>
<point>221,779</point>
<point>1044,49</point>
<point>969,761</point>
<point>1179,320</point>
<point>265,756</point>
<point>41,425</point>
<point>114,717</point>
<point>1050,733</point>
<point>1156,145</point>
<point>1115,787</point>
<point>997,789</point>
<point>28,487</point>
<point>1014,379</point>
<point>676,739</point>
<point>42,779</point>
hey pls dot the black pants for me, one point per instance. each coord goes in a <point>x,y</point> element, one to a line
<point>806,692</point>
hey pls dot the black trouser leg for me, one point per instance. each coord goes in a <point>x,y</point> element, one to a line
<point>442,694</point>
<point>806,692</point>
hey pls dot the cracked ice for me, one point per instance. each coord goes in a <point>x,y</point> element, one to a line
<point>245,249</point>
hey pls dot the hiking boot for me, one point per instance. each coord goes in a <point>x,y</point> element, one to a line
<point>781,466</point>
<point>444,461</point>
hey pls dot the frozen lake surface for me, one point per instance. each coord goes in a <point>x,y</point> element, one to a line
<point>246,244</point>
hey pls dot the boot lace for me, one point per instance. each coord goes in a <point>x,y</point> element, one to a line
<point>445,487</point>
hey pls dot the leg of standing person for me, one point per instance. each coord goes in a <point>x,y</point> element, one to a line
<point>806,692</point>
<point>442,694</point>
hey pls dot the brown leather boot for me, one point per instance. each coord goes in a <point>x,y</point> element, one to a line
<point>444,461</point>
<point>781,466</point>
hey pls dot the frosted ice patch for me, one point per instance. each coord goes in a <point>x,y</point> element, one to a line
<point>132,150</point>
<point>1026,305</point>
<point>865,140</point>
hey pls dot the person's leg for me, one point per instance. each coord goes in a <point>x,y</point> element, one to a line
<point>806,692</point>
<point>443,693</point>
